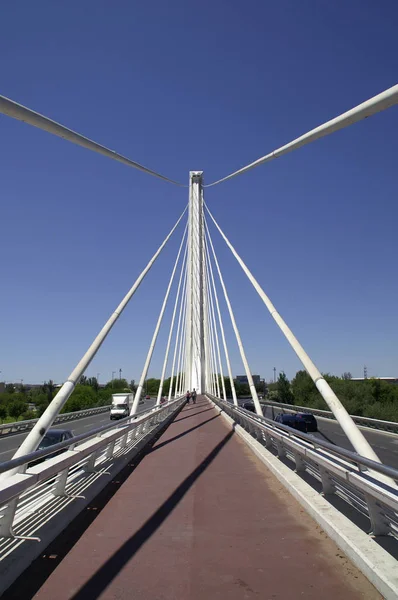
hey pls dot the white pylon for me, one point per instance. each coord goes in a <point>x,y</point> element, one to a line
<point>196,309</point>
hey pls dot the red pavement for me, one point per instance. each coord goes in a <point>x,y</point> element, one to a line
<point>202,518</point>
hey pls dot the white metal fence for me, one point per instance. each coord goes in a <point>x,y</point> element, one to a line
<point>366,485</point>
<point>34,495</point>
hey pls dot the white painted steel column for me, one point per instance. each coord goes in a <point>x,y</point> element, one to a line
<point>166,355</point>
<point>213,320</point>
<point>195,339</point>
<point>349,427</point>
<point>213,361</point>
<point>181,352</point>
<point>175,355</point>
<point>253,390</point>
<point>155,333</point>
<point>224,341</point>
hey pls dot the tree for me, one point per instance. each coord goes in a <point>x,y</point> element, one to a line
<point>10,389</point>
<point>303,389</point>
<point>104,397</point>
<point>117,385</point>
<point>284,392</point>
<point>17,408</point>
<point>82,397</point>
<point>41,406</point>
<point>346,375</point>
<point>3,412</point>
<point>152,386</point>
<point>49,389</point>
<point>92,382</point>
<point>28,415</point>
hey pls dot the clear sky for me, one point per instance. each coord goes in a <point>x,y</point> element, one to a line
<point>210,86</point>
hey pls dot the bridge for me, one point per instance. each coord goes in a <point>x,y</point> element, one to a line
<point>205,499</point>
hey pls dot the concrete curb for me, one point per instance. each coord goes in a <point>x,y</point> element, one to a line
<point>376,564</point>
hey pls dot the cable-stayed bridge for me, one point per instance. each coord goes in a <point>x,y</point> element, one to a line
<point>198,492</point>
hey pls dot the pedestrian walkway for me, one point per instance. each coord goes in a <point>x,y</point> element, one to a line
<point>201,518</point>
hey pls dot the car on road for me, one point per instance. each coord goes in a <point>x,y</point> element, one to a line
<point>119,411</point>
<point>147,397</point>
<point>291,421</point>
<point>309,419</point>
<point>52,437</point>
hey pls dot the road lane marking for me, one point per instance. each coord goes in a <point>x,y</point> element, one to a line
<point>9,450</point>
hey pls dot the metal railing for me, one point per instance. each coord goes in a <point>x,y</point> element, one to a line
<point>22,426</point>
<point>389,426</point>
<point>366,485</point>
<point>36,491</point>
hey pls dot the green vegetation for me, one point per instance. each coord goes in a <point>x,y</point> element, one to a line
<point>370,398</point>
<point>17,403</point>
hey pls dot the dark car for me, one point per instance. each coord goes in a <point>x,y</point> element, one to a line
<point>291,421</point>
<point>309,419</point>
<point>248,406</point>
<point>52,437</point>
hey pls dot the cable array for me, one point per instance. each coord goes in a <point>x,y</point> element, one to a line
<point>370,107</point>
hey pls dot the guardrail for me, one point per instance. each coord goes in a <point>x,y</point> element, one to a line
<point>365,485</point>
<point>22,426</point>
<point>362,421</point>
<point>32,496</point>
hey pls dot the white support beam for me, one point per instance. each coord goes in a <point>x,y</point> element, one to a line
<point>166,355</point>
<point>181,314</point>
<point>138,393</point>
<point>349,427</point>
<point>220,321</point>
<point>252,387</point>
<point>195,334</point>
<point>35,436</point>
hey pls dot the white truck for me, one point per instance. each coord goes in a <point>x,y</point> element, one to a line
<point>121,405</point>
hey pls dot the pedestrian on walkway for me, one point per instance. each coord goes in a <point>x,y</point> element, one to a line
<point>194,396</point>
<point>188,396</point>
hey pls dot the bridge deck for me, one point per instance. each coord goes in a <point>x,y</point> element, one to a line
<point>201,517</point>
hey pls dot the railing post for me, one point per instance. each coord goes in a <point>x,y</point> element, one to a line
<point>89,467</point>
<point>7,515</point>
<point>110,449</point>
<point>281,449</point>
<point>379,524</point>
<point>300,466</point>
<point>328,486</point>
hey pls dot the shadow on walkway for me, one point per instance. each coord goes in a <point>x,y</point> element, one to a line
<point>192,415</point>
<point>180,435</point>
<point>104,576</point>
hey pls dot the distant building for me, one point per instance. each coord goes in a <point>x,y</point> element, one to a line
<point>243,379</point>
<point>387,379</point>
<point>2,387</point>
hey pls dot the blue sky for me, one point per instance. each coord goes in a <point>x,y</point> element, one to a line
<point>178,87</point>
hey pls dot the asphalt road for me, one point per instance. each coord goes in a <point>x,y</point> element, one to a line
<point>384,444</point>
<point>9,444</point>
